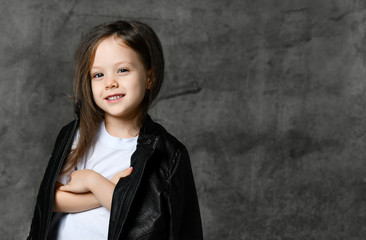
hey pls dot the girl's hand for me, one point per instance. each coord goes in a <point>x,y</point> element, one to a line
<point>86,180</point>
<point>81,181</point>
<point>121,174</point>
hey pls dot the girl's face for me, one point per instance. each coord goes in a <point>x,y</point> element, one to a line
<point>118,79</point>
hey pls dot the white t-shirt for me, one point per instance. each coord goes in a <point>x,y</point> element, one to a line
<point>108,156</point>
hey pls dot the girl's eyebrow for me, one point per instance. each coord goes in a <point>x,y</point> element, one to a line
<point>115,65</point>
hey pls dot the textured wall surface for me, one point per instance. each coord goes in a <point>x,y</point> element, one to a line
<point>268,96</point>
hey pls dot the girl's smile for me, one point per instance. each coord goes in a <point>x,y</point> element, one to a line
<point>114,98</point>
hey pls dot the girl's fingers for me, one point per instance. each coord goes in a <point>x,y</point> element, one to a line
<point>127,171</point>
<point>121,174</point>
<point>74,172</point>
<point>63,188</point>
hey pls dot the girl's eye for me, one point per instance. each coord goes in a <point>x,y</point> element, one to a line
<point>122,70</point>
<point>98,75</point>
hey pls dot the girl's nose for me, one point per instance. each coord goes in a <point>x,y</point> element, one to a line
<point>111,83</point>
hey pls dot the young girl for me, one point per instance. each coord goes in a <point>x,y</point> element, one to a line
<point>114,173</point>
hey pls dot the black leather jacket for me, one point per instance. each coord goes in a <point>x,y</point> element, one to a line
<point>157,201</point>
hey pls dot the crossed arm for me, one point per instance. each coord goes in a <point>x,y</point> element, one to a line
<point>86,190</point>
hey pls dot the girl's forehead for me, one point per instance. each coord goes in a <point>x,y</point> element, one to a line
<point>113,39</point>
<point>112,50</point>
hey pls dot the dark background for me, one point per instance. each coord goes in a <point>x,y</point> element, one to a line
<point>268,96</point>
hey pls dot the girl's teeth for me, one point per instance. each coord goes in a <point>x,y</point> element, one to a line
<point>115,97</point>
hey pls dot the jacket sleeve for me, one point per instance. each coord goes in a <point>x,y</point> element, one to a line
<point>185,218</point>
<point>43,209</point>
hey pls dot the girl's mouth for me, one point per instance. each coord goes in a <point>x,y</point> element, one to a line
<point>114,98</point>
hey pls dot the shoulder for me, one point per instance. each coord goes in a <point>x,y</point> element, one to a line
<point>167,141</point>
<point>66,131</point>
<point>170,151</point>
<point>68,127</point>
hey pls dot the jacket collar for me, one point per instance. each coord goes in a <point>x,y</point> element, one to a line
<point>147,136</point>
<point>147,125</point>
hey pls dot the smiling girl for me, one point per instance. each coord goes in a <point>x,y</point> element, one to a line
<point>114,173</point>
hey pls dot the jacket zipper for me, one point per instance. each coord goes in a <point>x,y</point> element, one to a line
<point>127,199</point>
<point>136,178</point>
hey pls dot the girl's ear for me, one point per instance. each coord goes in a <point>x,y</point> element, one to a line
<point>149,80</point>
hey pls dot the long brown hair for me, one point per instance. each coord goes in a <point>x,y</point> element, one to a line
<point>141,38</point>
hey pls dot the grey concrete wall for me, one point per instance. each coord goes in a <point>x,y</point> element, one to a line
<point>268,96</point>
